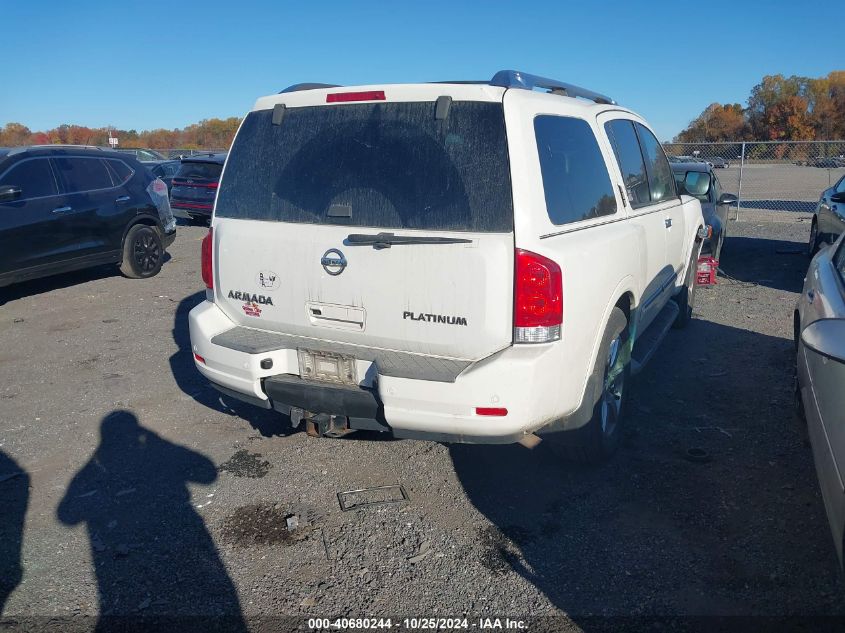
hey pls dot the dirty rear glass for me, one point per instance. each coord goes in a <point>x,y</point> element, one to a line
<point>384,165</point>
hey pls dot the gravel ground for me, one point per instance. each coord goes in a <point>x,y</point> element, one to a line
<point>149,494</point>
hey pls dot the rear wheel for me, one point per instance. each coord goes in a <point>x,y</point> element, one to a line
<point>814,243</point>
<point>686,297</point>
<point>143,253</point>
<point>599,439</point>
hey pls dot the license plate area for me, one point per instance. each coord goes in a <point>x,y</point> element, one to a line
<point>327,367</point>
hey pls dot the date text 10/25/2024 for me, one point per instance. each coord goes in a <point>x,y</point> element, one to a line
<point>417,624</point>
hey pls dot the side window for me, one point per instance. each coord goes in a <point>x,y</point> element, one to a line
<point>34,177</point>
<point>715,189</point>
<point>840,186</point>
<point>170,169</point>
<point>575,179</point>
<point>83,174</point>
<point>626,147</point>
<point>120,171</point>
<point>660,180</point>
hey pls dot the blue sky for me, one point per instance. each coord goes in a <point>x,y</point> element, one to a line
<point>156,64</point>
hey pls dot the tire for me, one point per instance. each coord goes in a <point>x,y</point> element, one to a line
<point>686,297</point>
<point>814,242</point>
<point>143,252</point>
<point>719,244</point>
<point>599,438</point>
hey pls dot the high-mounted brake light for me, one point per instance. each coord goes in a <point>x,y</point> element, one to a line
<point>537,298</point>
<point>372,95</point>
<point>491,411</point>
<point>206,249</point>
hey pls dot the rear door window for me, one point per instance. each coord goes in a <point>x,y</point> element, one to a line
<point>199,171</point>
<point>626,147</point>
<point>385,165</point>
<point>33,176</point>
<point>83,173</point>
<point>660,180</point>
<point>575,179</point>
<point>120,171</point>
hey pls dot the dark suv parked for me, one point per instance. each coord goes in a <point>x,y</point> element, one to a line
<point>195,185</point>
<point>64,208</point>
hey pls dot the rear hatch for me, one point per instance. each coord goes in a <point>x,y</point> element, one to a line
<point>387,224</point>
<point>195,185</point>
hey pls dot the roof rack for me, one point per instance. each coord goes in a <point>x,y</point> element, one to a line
<point>23,148</point>
<point>504,79</point>
<point>519,79</point>
<point>307,86</point>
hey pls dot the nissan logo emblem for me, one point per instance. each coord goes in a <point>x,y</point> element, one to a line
<point>333,262</point>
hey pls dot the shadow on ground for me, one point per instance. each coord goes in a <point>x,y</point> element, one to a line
<point>62,280</point>
<point>153,557</point>
<point>190,381</point>
<point>14,498</point>
<point>651,533</point>
<point>778,264</point>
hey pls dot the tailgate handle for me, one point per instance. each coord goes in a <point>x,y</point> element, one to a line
<point>336,316</point>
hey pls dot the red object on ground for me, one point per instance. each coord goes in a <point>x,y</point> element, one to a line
<point>705,273</point>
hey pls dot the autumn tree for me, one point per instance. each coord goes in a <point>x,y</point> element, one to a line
<point>779,109</point>
<point>13,134</point>
<point>717,123</point>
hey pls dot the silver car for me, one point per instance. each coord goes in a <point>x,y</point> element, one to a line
<point>820,344</point>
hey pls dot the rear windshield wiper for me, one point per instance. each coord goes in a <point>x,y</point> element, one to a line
<point>386,240</point>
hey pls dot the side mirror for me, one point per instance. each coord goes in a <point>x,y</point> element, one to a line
<point>9,193</point>
<point>697,183</point>
<point>729,199</point>
<point>838,197</point>
<point>826,337</point>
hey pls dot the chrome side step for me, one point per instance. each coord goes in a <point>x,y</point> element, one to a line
<point>648,342</point>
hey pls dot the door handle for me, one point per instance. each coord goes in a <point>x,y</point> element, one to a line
<point>668,222</point>
<point>122,199</point>
<point>64,209</point>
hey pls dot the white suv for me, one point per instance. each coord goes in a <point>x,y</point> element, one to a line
<point>465,262</point>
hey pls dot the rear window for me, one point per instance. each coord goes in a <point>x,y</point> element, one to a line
<point>199,171</point>
<point>385,165</point>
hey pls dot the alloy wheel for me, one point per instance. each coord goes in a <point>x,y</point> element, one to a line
<point>614,385</point>
<point>146,252</point>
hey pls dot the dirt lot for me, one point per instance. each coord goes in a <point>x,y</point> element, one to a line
<point>150,495</point>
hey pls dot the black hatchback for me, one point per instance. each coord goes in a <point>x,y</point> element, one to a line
<point>64,208</point>
<point>195,186</point>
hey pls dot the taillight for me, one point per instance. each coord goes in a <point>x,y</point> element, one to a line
<point>207,271</point>
<point>537,299</point>
<point>339,97</point>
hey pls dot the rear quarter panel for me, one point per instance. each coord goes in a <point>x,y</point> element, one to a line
<point>601,258</point>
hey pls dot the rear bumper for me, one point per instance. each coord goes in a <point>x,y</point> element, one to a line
<point>522,379</point>
<point>187,210</point>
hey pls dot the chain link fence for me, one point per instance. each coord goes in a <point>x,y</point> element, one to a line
<point>769,175</point>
